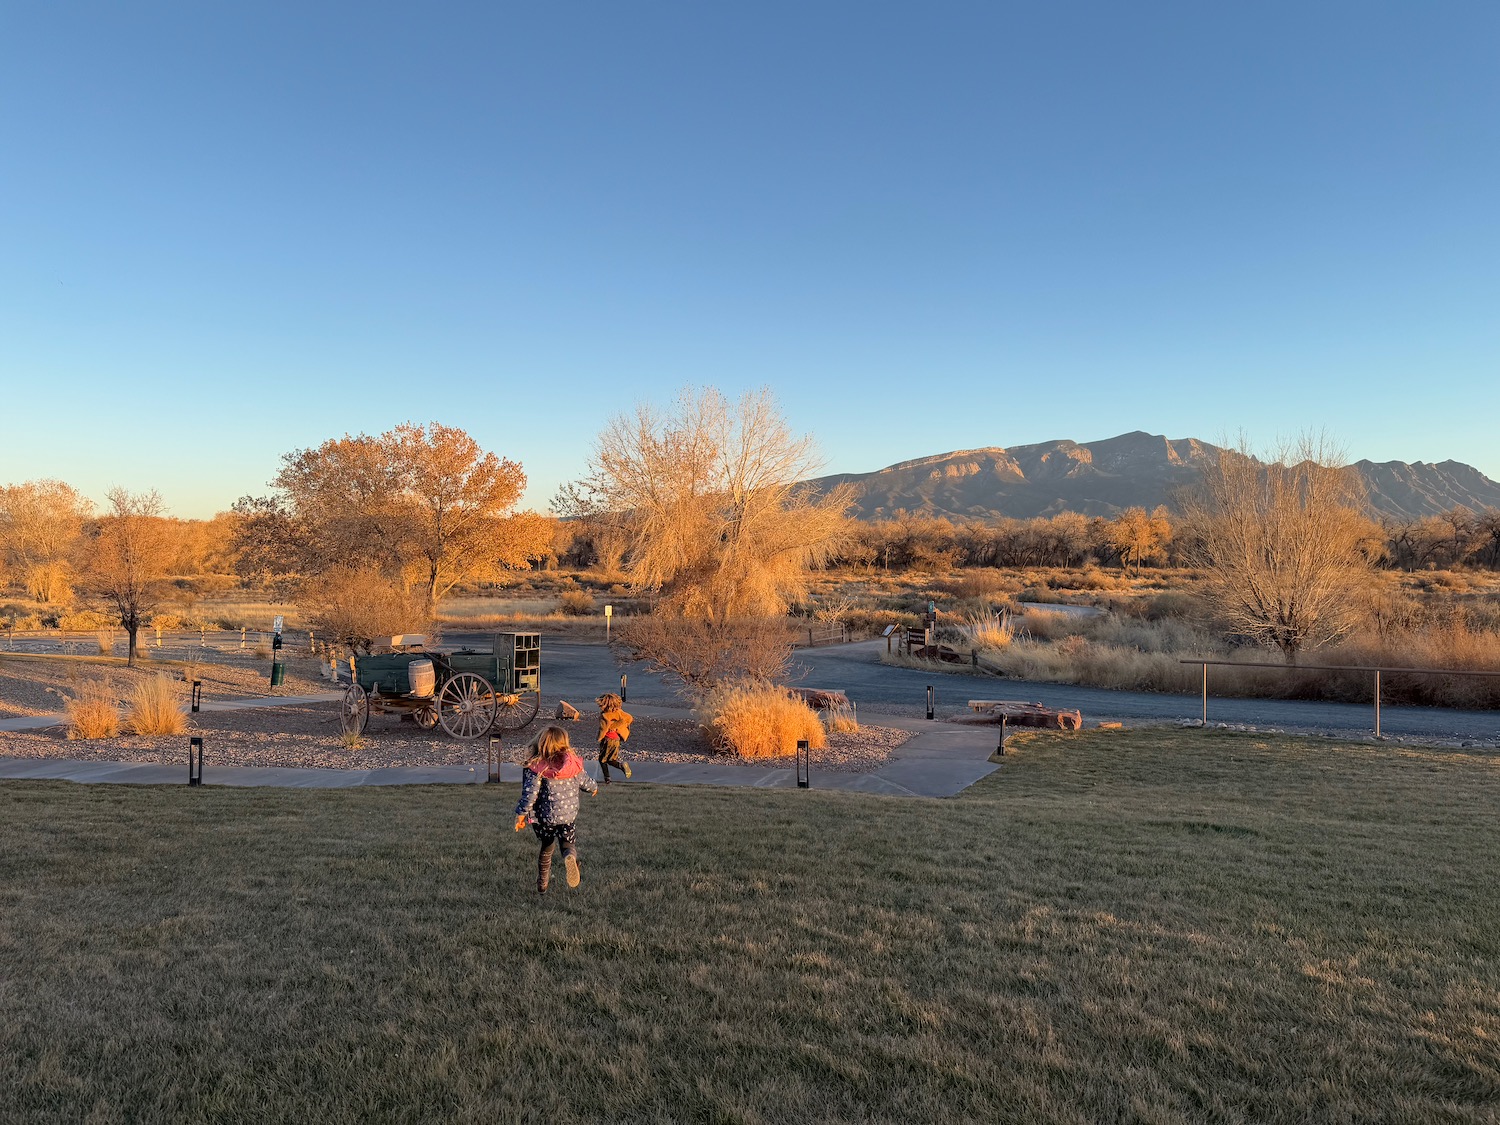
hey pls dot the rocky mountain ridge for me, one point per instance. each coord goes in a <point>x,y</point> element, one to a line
<point>1103,478</point>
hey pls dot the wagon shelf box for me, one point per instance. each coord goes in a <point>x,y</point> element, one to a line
<point>467,692</point>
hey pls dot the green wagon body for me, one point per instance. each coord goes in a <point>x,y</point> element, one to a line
<point>511,676</point>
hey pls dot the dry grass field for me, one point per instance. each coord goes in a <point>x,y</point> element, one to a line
<point>1117,926</point>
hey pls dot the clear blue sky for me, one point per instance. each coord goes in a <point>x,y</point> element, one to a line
<point>228,231</point>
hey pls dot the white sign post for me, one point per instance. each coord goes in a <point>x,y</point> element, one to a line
<point>277,624</point>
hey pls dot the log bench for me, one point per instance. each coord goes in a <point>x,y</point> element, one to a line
<point>1019,714</point>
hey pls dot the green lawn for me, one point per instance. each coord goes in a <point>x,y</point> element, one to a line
<point>1153,926</point>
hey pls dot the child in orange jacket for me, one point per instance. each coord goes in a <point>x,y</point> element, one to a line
<point>614,729</point>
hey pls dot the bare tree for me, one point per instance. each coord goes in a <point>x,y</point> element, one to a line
<point>125,558</point>
<point>1282,541</point>
<point>710,500</point>
<point>40,522</point>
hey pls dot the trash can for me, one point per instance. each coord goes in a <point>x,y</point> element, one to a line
<point>278,673</point>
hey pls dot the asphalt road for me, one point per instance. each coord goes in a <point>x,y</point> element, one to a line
<point>579,672</point>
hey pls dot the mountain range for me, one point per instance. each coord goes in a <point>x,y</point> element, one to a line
<point>1103,478</point>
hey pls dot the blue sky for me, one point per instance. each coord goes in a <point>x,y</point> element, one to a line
<point>227,231</point>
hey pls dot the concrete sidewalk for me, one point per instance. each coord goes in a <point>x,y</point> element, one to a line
<point>940,760</point>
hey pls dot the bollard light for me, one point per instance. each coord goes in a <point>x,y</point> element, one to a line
<point>197,696</point>
<point>930,697</point>
<point>804,764</point>
<point>623,696</point>
<point>492,760</point>
<point>195,770</point>
<point>1001,748</point>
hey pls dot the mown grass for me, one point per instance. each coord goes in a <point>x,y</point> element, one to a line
<point>1119,926</point>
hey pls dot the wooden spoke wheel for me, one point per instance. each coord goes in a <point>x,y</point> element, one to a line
<point>466,705</point>
<point>517,711</point>
<point>427,717</point>
<point>354,710</point>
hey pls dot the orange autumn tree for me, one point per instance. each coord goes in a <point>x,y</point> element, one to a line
<point>423,506</point>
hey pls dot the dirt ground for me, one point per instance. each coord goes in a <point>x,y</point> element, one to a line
<point>42,685</point>
<point>308,735</point>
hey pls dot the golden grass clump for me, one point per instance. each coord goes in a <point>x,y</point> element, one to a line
<point>106,642</point>
<point>155,707</point>
<point>93,713</point>
<point>840,719</point>
<point>988,631</point>
<point>760,721</point>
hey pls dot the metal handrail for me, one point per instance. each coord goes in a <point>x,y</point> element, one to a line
<point>1330,668</point>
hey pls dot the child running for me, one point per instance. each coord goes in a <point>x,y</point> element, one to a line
<point>614,729</point>
<point>549,788</point>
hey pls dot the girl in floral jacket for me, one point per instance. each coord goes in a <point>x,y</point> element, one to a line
<point>550,784</point>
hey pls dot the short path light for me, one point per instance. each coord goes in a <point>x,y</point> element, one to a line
<point>492,760</point>
<point>195,770</point>
<point>931,696</point>
<point>197,696</point>
<point>1001,748</point>
<point>804,764</point>
<point>623,697</point>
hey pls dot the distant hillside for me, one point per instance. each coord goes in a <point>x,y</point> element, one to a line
<point>1102,478</point>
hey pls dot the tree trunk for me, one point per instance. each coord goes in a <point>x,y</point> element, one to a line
<point>130,630</point>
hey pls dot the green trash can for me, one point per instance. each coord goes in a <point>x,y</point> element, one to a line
<point>278,673</point>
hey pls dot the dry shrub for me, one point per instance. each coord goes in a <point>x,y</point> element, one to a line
<point>706,653</point>
<point>981,585</point>
<point>262,651</point>
<point>760,721</point>
<point>94,713</point>
<point>352,740</point>
<point>576,603</point>
<point>355,607</point>
<point>155,707</point>
<point>106,641</point>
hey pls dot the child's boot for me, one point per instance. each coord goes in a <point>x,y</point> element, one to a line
<point>570,862</point>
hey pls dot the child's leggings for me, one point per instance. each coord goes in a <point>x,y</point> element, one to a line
<point>565,835</point>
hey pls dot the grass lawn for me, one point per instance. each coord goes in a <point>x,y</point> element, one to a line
<point>1118,926</point>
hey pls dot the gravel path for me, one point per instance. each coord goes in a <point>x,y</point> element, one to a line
<point>309,736</point>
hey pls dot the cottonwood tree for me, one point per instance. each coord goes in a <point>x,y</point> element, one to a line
<point>125,556</point>
<point>709,498</point>
<point>1138,536</point>
<point>422,503</point>
<point>1282,541</point>
<point>40,522</point>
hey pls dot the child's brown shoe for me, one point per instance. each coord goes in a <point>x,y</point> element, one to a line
<point>626,767</point>
<point>571,863</point>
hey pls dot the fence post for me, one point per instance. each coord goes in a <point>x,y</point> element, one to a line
<point>1377,702</point>
<point>1205,694</point>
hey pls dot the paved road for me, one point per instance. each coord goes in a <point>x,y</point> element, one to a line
<point>578,672</point>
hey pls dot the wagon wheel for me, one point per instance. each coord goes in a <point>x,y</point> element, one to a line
<point>517,710</point>
<point>466,705</point>
<point>354,710</point>
<point>427,717</point>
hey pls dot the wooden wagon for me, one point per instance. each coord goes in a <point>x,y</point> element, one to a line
<point>467,692</point>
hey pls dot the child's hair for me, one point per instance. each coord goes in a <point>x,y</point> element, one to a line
<point>549,748</point>
<point>609,701</point>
